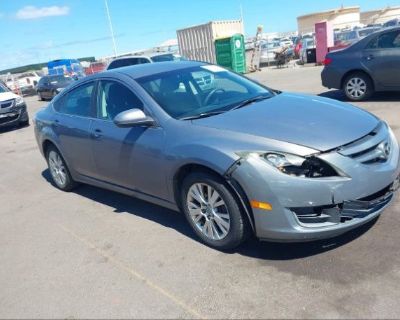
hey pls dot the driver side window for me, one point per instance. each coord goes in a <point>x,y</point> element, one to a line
<point>114,98</point>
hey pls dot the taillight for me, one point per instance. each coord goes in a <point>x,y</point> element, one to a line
<point>327,61</point>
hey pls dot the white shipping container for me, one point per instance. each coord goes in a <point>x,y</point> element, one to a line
<point>197,42</point>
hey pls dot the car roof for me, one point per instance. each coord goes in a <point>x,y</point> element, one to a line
<point>147,69</point>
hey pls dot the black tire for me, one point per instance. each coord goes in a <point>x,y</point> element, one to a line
<point>367,87</point>
<point>24,123</point>
<point>239,227</point>
<point>69,183</point>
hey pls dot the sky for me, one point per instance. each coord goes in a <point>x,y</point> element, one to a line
<point>36,31</point>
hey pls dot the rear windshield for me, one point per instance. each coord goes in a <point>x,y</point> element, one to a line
<point>126,62</point>
<point>166,57</point>
<point>60,80</point>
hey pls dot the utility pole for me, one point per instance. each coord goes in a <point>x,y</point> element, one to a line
<point>111,28</point>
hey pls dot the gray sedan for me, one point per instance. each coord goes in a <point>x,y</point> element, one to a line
<point>371,64</point>
<point>235,157</point>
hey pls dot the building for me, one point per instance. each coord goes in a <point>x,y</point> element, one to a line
<point>344,17</point>
<point>380,16</point>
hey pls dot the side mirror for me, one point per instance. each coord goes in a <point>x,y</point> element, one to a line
<point>133,118</point>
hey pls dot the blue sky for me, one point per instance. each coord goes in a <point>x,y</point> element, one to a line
<point>41,30</point>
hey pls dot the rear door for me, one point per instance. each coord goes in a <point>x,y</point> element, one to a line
<point>382,59</point>
<point>72,126</point>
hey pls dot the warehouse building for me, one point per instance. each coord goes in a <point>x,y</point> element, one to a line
<point>344,17</point>
<point>380,16</point>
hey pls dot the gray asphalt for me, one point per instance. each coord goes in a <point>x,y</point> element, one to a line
<point>97,254</point>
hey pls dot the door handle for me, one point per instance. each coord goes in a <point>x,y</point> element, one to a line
<point>97,133</point>
<point>370,57</point>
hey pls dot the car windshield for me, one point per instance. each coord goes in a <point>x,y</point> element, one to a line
<point>61,80</point>
<point>201,91</point>
<point>166,57</point>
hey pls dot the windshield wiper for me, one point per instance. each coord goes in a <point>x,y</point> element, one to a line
<point>249,101</point>
<point>202,115</point>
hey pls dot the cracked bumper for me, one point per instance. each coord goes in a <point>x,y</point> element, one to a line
<point>306,209</point>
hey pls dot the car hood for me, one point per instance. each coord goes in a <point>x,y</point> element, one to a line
<point>4,96</point>
<point>311,121</point>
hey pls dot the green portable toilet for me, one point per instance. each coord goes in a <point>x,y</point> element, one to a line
<point>231,53</point>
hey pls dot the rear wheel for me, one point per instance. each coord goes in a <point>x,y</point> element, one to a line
<point>59,170</point>
<point>212,211</point>
<point>358,86</point>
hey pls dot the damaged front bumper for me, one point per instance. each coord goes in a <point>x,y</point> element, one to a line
<point>305,209</point>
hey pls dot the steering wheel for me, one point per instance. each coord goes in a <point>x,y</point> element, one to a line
<point>212,92</point>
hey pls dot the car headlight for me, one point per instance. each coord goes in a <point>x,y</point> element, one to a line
<point>19,101</point>
<point>308,167</point>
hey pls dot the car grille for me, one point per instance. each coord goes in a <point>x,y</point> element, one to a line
<point>6,104</point>
<point>371,149</point>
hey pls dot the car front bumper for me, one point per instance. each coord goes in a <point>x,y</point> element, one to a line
<point>305,209</point>
<point>13,116</point>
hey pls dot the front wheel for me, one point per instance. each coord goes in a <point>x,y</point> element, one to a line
<point>212,211</point>
<point>59,170</point>
<point>358,86</point>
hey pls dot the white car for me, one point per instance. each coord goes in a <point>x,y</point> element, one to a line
<point>12,108</point>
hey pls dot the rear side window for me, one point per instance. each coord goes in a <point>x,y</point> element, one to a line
<point>126,62</point>
<point>388,40</point>
<point>76,102</point>
<point>114,98</point>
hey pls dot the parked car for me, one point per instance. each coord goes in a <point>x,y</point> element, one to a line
<point>372,64</point>
<point>392,23</point>
<point>12,109</point>
<point>346,38</point>
<point>51,85</point>
<point>306,45</point>
<point>95,67</point>
<point>28,81</point>
<point>132,60</point>
<point>236,159</point>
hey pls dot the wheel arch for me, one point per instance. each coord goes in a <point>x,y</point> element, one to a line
<point>348,73</point>
<point>231,184</point>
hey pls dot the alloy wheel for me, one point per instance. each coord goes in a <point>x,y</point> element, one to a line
<point>57,168</point>
<point>208,211</point>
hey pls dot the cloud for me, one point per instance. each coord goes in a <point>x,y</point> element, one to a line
<point>32,12</point>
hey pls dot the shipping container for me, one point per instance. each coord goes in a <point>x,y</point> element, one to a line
<point>197,42</point>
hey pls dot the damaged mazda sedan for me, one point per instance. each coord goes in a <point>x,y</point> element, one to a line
<point>234,156</point>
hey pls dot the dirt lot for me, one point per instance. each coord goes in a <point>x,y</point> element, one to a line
<point>97,254</point>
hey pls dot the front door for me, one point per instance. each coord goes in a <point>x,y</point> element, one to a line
<point>127,157</point>
<point>382,59</point>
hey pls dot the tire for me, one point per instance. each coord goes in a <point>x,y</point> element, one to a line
<point>227,225</point>
<point>358,86</point>
<point>24,123</point>
<point>40,97</point>
<point>59,171</point>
